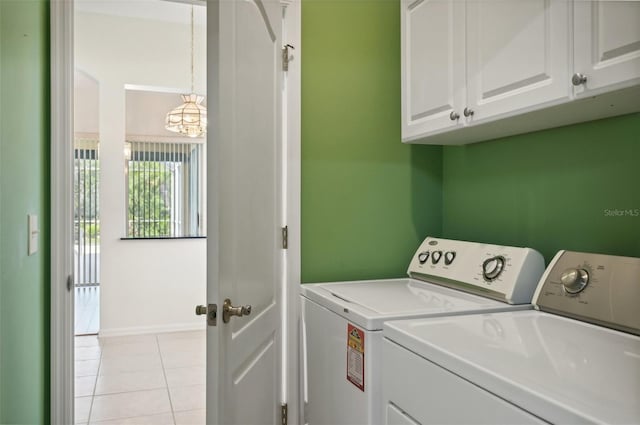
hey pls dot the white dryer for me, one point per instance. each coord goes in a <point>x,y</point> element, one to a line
<point>342,321</point>
<point>575,359</point>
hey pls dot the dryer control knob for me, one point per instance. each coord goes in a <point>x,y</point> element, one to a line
<point>492,267</point>
<point>574,280</point>
<point>423,257</point>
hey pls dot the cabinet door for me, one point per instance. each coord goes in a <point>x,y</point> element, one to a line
<point>432,66</point>
<point>606,45</point>
<point>517,56</point>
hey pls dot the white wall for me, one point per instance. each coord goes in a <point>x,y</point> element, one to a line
<point>85,112</point>
<point>146,286</point>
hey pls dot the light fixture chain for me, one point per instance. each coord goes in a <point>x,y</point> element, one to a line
<point>192,51</point>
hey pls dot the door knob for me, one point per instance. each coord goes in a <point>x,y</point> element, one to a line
<point>468,112</point>
<point>454,115</point>
<point>229,310</point>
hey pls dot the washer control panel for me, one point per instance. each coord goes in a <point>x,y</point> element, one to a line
<point>505,273</point>
<point>595,288</point>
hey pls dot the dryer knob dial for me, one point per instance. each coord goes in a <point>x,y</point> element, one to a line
<point>492,267</point>
<point>574,280</point>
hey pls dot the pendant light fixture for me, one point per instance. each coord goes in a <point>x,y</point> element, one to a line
<point>190,118</point>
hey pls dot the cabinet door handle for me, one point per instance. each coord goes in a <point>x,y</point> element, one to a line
<point>578,79</point>
<point>454,115</point>
<point>468,112</point>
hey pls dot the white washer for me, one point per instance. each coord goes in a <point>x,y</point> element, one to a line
<point>575,359</point>
<point>342,322</point>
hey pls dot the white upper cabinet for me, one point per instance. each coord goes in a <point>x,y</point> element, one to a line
<point>606,45</point>
<point>517,56</point>
<point>476,70</point>
<point>433,70</point>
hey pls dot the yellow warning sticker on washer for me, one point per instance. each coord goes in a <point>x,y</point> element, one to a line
<point>355,356</point>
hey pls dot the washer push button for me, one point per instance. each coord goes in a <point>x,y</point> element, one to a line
<point>423,257</point>
<point>449,257</point>
<point>435,257</point>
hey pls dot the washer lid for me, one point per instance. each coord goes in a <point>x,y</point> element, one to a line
<point>559,369</point>
<point>369,303</point>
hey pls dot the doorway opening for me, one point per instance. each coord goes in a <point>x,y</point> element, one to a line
<point>86,206</point>
<point>90,406</point>
<point>139,213</point>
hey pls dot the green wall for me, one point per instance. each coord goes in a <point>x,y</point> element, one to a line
<point>367,200</point>
<point>24,188</point>
<point>549,190</point>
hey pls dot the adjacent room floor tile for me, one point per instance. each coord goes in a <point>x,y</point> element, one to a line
<point>164,419</point>
<point>183,359</point>
<point>85,385</point>
<point>188,398</point>
<point>88,353</point>
<point>82,408</point>
<point>86,367</point>
<point>87,341</point>
<point>130,381</point>
<point>183,345</point>
<point>132,404</point>
<point>184,376</point>
<point>192,417</point>
<point>130,363</point>
<point>128,339</point>
<point>143,379</point>
<point>130,349</point>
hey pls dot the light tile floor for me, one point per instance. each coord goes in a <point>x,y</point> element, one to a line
<point>146,379</point>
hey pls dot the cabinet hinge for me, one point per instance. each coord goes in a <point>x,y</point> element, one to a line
<point>285,237</point>
<point>283,413</point>
<point>69,283</point>
<point>285,56</point>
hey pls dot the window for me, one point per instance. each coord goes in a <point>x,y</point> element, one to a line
<point>165,190</point>
<point>86,212</point>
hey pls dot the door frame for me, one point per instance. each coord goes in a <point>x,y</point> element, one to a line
<point>62,295</point>
<point>292,29</point>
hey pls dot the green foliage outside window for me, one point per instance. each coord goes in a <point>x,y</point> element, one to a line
<point>149,212</point>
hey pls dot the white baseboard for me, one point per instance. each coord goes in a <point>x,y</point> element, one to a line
<point>141,330</point>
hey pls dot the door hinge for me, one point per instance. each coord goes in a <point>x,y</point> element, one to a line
<point>285,56</point>
<point>283,413</point>
<point>285,237</point>
<point>69,283</point>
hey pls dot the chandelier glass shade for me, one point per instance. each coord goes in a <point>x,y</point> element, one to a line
<point>190,118</point>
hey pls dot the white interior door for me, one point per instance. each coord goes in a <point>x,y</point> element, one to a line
<point>244,190</point>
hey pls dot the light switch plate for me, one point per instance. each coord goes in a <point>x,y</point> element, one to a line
<point>33,233</point>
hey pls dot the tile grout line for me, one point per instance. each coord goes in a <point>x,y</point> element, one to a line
<point>93,393</point>
<point>164,373</point>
